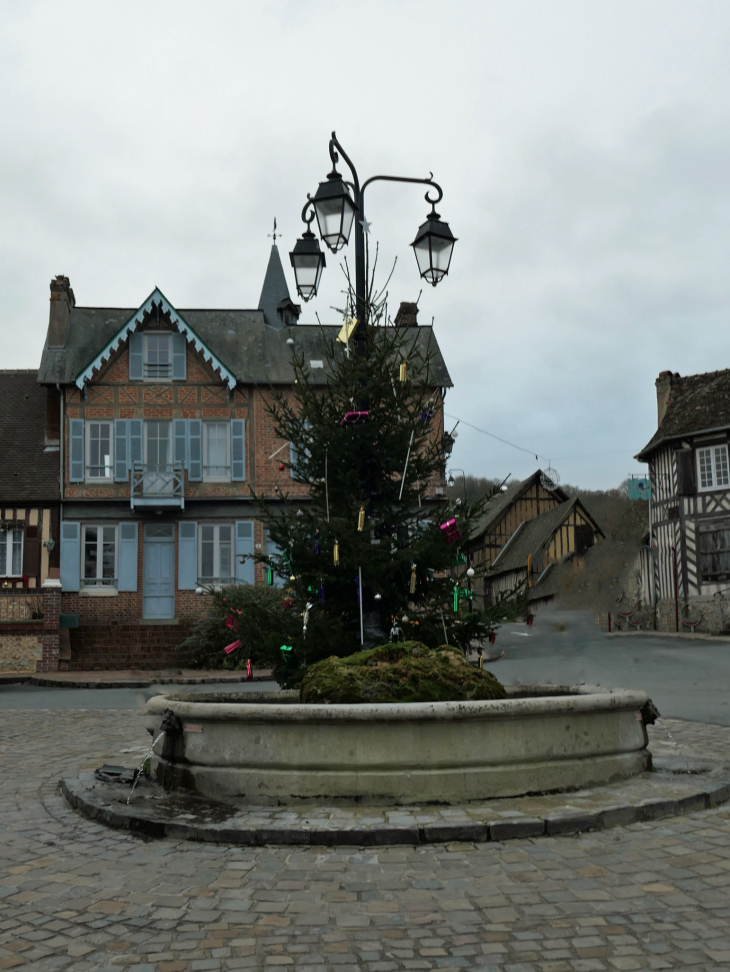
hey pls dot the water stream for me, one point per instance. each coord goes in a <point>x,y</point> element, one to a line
<point>141,765</point>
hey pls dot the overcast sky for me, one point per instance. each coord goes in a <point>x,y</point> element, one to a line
<point>583,149</point>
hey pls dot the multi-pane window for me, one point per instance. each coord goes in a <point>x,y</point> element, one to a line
<point>157,445</point>
<point>713,471</point>
<point>11,552</point>
<point>217,437</point>
<point>158,356</point>
<point>216,552</point>
<point>99,555</point>
<point>98,450</point>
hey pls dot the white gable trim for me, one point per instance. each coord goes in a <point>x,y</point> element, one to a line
<point>156,297</point>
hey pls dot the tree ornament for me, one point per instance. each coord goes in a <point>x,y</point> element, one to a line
<point>229,621</point>
<point>456,598</point>
<point>450,531</point>
<point>249,672</point>
<point>378,597</point>
<point>232,647</point>
<point>300,513</point>
<point>427,414</point>
<point>470,572</point>
<point>282,467</point>
<point>412,585</point>
<point>316,541</point>
<point>396,633</point>
<point>322,599</point>
<point>336,553</point>
<point>270,575</point>
<point>355,418</point>
<point>292,579</point>
<point>361,519</point>
<point>305,618</point>
<point>403,369</point>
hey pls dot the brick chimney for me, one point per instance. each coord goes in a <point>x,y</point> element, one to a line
<point>407,315</point>
<point>664,384</point>
<point>62,300</point>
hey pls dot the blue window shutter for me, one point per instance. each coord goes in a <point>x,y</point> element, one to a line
<point>195,450</point>
<point>70,556</point>
<point>179,356</point>
<point>180,436</point>
<point>135,440</point>
<point>76,450</point>
<point>244,547</point>
<point>121,451</point>
<point>238,449</point>
<point>187,556</point>
<point>136,357</point>
<point>127,557</point>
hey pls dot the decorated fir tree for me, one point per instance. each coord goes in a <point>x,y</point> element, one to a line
<point>376,552</point>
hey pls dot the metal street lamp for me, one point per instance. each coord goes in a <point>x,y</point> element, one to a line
<point>335,205</point>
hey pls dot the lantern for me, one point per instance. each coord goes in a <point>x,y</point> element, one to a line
<point>308,262</point>
<point>433,246</point>
<point>335,210</point>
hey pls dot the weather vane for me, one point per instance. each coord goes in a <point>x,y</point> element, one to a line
<point>274,234</point>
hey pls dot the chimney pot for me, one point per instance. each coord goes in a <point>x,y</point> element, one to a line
<point>407,315</point>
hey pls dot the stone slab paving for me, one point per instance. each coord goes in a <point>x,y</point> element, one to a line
<point>77,895</point>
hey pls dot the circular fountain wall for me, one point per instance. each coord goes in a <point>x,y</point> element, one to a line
<point>557,738</point>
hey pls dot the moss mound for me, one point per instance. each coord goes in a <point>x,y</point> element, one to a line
<point>405,672</point>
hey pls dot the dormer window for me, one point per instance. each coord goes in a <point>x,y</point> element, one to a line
<point>157,356</point>
<point>713,471</point>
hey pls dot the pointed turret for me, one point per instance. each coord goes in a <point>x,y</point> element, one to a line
<point>278,307</point>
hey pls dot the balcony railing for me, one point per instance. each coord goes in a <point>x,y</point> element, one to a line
<point>162,485</point>
<point>19,606</point>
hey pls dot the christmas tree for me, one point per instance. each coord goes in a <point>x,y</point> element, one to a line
<point>375,553</point>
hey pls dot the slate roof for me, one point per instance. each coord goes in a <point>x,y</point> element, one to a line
<point>243,342</point>
<point>499,503</point>
<point>534,535</point>
<point>27,473</point>
<point>697,403</point>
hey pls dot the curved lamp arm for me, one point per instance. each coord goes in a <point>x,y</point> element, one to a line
<point>424,182</point>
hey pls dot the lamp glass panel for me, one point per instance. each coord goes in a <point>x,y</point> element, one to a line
<point>307,270</point>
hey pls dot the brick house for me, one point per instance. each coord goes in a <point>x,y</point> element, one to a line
<point>689,471</point>
<point>29,516</point>
<point>165,433</point>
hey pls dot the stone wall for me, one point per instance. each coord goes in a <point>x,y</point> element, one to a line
<point>21,652</point>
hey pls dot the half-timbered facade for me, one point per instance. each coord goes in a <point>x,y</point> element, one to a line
<point>537,546</point>
<point>165,436</point>
<point>503,515</point>
<point>689,471</point>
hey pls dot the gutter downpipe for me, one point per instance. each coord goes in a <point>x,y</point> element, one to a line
<point>676,592</point>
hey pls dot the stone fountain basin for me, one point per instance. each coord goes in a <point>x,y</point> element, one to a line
<point>540,739</point>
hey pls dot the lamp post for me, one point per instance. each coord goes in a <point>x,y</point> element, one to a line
<point>337,205</point>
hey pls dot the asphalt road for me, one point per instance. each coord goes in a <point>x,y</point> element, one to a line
<point>686,678</point>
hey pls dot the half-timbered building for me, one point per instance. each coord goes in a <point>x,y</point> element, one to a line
<point>689,473</point>
<point>539,545</point>
<point>165,435</point>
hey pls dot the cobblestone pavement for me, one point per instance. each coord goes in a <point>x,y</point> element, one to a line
<point>76,895</point>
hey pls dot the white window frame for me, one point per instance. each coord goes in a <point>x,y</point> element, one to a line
<point>99,582</point>
<point>226,478</point>
<point>713,468</point>
<point>6,567</point>
<point>109,476</point>
<point>145,356</point>
<point>218,579</point>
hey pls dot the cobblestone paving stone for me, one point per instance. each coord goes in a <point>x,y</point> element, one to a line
<point>76,895</point>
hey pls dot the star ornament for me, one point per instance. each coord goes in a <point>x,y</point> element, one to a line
<point>365,225</point>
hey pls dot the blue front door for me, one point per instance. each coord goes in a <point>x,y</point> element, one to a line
<point>159,571</point>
